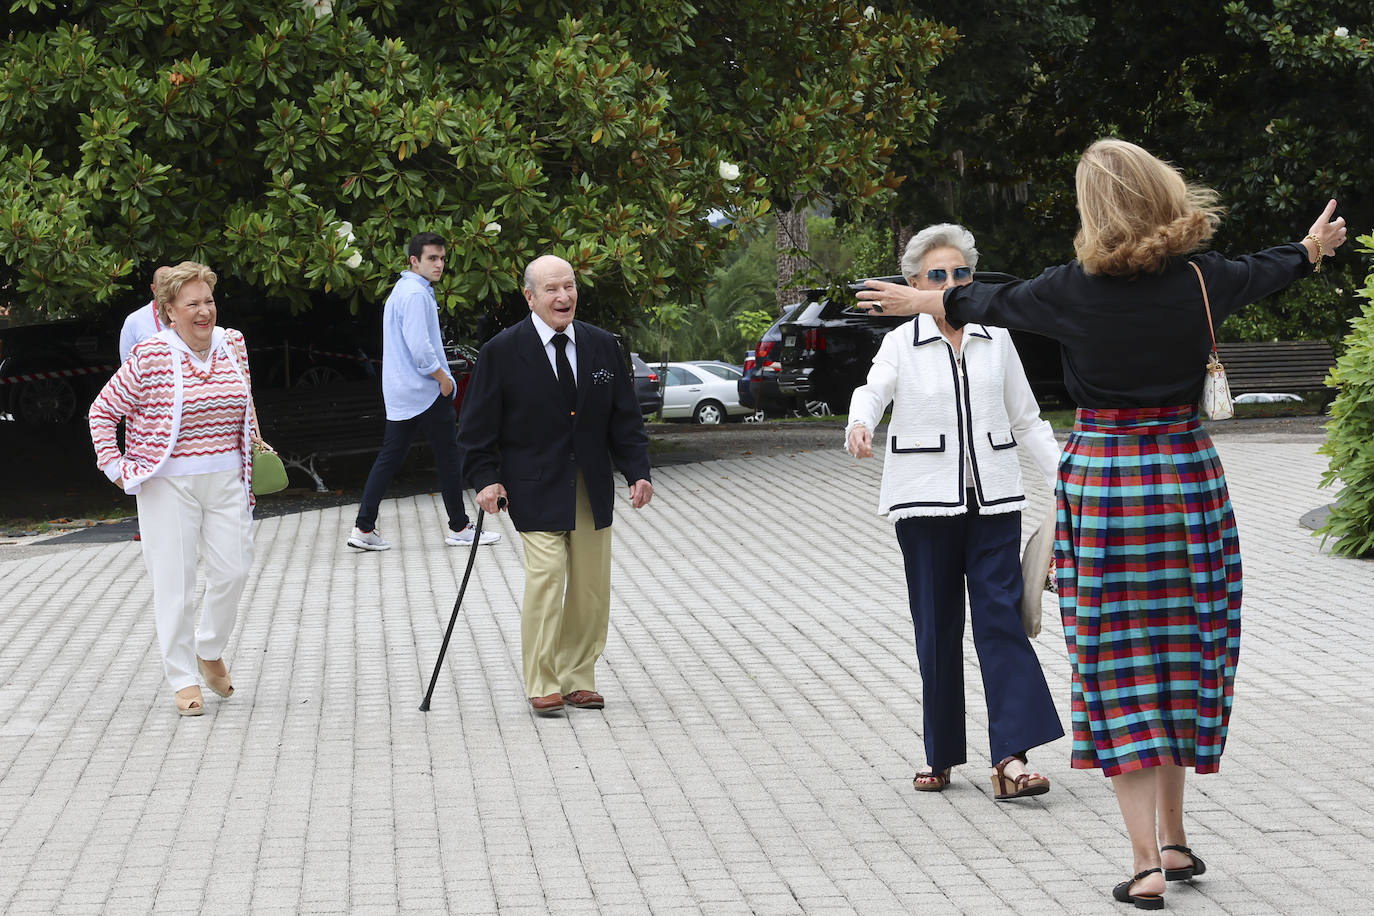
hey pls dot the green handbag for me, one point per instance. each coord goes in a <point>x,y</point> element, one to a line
<point>269,474</point>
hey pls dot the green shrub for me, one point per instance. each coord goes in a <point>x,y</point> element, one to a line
<point>1350,435</point>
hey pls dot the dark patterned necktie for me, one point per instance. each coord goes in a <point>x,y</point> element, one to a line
<point>566,381</point>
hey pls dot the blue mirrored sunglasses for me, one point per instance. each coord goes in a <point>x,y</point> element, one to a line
<point>938,274</point>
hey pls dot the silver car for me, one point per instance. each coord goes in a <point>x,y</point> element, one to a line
<point>691,392</point>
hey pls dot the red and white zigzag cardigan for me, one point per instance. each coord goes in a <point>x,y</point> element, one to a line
<point>149,393</point>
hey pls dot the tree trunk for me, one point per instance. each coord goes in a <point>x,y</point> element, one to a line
<point>901,234</point>
<point>791,235</point>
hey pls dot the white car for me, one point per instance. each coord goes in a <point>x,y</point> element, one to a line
<point>1265,397</point>
<point>690,392</point>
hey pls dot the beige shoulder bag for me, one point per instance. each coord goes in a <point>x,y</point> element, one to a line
<point>1216,391</point>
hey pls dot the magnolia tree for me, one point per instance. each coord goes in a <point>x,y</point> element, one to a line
<point>296,146</point>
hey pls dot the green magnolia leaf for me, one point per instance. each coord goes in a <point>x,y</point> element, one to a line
<point>235,134</point>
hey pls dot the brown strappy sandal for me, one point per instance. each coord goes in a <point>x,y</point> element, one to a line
<point>1005,788</point>
<point>931,781</point>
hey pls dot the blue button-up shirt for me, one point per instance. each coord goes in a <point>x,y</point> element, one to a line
<point>412,348</point>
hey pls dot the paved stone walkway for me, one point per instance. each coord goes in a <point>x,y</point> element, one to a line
<point>755,755</point>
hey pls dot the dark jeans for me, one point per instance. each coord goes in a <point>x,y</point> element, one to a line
<point>440,425</point>
<point>942,553</point>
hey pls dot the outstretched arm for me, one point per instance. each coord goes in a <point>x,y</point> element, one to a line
<point>896,299</point>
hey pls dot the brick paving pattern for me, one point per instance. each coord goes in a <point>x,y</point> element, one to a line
<point>755,754</point>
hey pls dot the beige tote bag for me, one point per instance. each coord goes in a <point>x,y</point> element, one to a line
<point>1035,566</point>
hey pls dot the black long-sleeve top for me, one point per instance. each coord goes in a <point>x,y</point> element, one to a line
<point>1131,341</point>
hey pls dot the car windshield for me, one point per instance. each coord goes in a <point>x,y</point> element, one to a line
<point>725,372</point>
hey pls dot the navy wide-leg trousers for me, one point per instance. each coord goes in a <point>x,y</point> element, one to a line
<point>941,554</point>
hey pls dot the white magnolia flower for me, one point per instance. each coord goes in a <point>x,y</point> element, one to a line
<point>355,260</point>
<point>492,227</point>
<point>728,171</point>
<point>322,8</point>
<point>870,13</point>
<point>1341,32</point>
<point>344,230</point>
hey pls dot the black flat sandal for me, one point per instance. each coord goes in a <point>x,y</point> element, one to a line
<point>1198,867</point>
<point>1122,892</point>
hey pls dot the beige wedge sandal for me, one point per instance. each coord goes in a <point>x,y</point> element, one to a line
<point>190,704</point>
<point>219,683</point>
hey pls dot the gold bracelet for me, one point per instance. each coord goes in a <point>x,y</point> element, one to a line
<point>1318,243</point>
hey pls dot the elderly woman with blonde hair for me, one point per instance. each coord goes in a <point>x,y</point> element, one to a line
<point>1146,547</point>
<point>961,411</point>
<point>185,398</point>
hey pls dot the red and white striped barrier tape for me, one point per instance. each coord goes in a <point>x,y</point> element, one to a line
<point>59,373</point>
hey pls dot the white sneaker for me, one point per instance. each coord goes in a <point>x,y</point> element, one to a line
<point>464,538</point>
<point>367,540</point>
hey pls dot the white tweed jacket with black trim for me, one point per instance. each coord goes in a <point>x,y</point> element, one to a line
<point>945,408</point>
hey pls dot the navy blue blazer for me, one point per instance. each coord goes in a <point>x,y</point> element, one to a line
<point>515,428</point>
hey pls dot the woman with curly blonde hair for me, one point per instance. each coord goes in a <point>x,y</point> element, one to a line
<point>1146,548</point>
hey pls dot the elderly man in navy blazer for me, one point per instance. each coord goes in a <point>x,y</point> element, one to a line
<point>549,416</point>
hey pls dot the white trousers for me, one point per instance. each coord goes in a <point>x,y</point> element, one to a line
<point>182,519</point>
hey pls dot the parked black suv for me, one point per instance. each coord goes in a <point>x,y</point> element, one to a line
<point>829,345</point>
<point>758,388</point>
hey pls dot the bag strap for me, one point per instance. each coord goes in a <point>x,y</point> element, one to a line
<point>252,402</point>
<point>1206,304</point>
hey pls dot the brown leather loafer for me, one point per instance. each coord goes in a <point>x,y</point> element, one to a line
<point>547,706</point>
<point>585,699</point>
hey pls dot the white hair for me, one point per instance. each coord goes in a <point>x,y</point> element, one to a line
<point>941,235</point>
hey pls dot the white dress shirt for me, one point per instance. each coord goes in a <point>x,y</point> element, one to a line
<point>546,337</point>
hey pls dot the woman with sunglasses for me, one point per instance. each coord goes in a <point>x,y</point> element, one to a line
<point>961,407</point>
<point>1146,548</point>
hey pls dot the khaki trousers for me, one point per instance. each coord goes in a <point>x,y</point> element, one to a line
<point>567,607</point>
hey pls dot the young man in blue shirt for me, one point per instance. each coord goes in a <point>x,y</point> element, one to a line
<point>418,391</point>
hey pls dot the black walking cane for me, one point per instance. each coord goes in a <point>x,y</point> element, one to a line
<point>467,573</point>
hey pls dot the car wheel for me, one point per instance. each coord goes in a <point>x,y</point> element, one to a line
<point>321,375</point>
<point>815,409</point>
<point>45,401</point>
<point>709,413</point>
<point>757,416</point>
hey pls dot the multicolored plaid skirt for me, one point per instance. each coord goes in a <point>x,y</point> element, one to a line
<point>1149,589</point>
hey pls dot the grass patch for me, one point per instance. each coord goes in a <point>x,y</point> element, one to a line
<point>1309,407</point>
<point>659,447</point>
<point>14,525</point>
